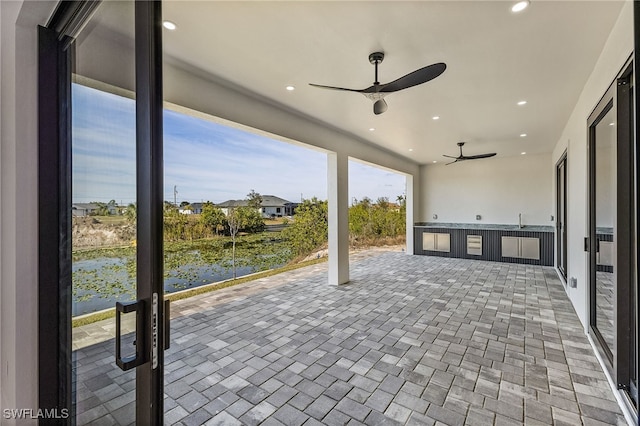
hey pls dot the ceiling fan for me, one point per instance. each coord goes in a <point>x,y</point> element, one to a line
<point>378,91</point>
<point>462,157</point>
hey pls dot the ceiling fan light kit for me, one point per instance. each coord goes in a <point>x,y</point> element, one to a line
<point>378,91</point>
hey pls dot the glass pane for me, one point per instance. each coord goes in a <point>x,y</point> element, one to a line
<point>103,214</point>
<point>605,211</point>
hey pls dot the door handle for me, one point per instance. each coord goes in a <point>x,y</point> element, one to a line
<point>167,321</point>
<point>132,361</point>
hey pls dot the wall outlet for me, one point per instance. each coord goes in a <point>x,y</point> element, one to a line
<point>573,282</point>
<point>478,217</point>
<point>435,216</point>
<point>552,218</point>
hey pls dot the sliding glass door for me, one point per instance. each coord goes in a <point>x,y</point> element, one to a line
<point>101,182</point>
<point>561,215</point>
<point>613,216</point>
<point>602,149</point>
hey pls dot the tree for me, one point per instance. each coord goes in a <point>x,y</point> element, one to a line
<point>175,225</point>
<point>102,209</point>
<point>250,219</point>
<point>254,199</point>
<point>369,221</point>
<point>245,218</point>
<point>383,203</point>
<point>310,228</point>
<point>233,222</point>
<point>185,203</point>
<point>360,221</point>
<point>131,212</point>
<point>212,217</point>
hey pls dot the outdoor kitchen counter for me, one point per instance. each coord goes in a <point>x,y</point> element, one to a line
<point>530,244</point>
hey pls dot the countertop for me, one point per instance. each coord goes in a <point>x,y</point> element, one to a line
<point>604,231</point>
<point>486,227</point>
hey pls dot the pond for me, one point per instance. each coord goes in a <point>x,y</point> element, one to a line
<point>103,276</point>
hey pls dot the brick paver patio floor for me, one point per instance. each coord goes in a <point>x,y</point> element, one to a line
<point>411,340</point>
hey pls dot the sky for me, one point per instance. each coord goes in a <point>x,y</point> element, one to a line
<point>203,160</point>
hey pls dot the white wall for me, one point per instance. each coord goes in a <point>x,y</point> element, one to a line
<point>574,140</point>
<point>497,189</point>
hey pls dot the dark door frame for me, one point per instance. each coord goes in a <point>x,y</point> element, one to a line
<point>626,231</point>
<point>636,133</point>
<point>619,360</point>
<point>54,221</point>
<point>561,219</point>
<point>603,107</point>
<point>56,50</point>
<point>149,144</point>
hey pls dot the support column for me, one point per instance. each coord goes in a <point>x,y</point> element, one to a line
<point>338,196</point>
<point>411,206</point>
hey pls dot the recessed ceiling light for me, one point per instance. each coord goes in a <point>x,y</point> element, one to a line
<point>522,153</point>
<point>371,129</point>
<point>290,88</point>
<point>410,149</point>
<point>523,135</point>
<point>612,124</point>
<point>520,6</point>
<point>169,25</point>
<point>434,161</point>
<point>436,117</point>
<point>522,103</point>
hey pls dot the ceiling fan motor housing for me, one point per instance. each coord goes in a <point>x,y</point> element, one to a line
<point>376,57</point>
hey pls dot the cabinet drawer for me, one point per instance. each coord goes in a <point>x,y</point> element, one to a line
<point>474,245</point>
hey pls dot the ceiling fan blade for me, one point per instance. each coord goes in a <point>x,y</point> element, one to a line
<point>475,157</point>
<point>449,156</point>
<point>417,77</point>
<point>451,162</point>
<point>379,107</point>
<point>335,88</point>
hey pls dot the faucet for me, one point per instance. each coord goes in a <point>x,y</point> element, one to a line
<point>520,220</point>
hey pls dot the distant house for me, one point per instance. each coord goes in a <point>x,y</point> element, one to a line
<point>196,208</point>
<point>395,207</point>
<point>231,204</point>
<point>193,208</point>
<point>271,206</point>
<point>88,209</point>
<point>83,209</point>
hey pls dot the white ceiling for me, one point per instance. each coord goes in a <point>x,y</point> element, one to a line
<point>494,58</point>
